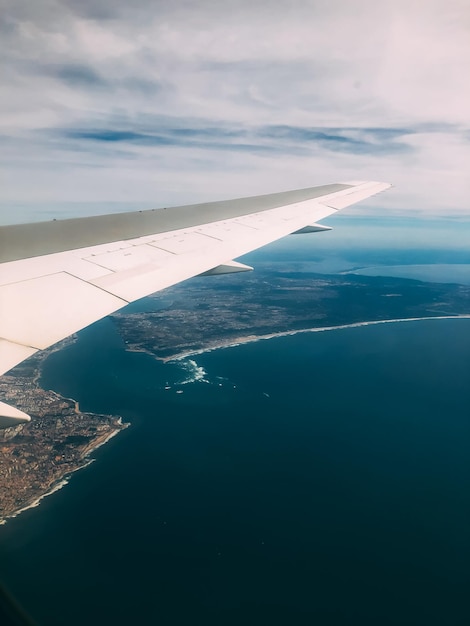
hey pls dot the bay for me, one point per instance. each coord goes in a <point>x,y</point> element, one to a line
<point>315,478</point>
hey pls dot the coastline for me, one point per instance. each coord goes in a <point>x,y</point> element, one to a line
<point>233,343</point>
<point>42,355</point>
<point>56,486</point>
<point>51,409</point>
<point>58,483</point>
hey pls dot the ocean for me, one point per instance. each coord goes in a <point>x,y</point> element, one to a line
<point>320,478</point>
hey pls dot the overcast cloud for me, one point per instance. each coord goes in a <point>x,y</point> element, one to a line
<point>179,102</point>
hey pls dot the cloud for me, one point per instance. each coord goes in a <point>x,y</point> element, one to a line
<point>76,75</point>
<point>274,139</point>
<point>178,102</point>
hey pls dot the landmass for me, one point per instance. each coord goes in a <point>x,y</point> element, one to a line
<point>201,314</point>
<point>36,458</point>
<point>207,313</point>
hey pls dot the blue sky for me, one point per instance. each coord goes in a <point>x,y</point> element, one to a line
<point>170,103</point>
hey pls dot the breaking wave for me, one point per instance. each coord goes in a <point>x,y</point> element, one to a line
<point>193,373</point>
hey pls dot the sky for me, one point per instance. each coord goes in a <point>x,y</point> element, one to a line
<point>160,103</point>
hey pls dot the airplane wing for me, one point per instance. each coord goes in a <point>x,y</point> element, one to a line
<point>60,276</point>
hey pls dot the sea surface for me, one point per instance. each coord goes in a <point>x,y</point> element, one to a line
<point>318,478</point>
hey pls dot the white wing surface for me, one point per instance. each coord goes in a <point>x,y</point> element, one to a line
<point>58,277</point>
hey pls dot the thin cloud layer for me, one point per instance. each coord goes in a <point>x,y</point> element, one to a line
<point>147,101</point>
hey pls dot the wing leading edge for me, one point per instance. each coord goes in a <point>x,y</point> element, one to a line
<point>58,277</point>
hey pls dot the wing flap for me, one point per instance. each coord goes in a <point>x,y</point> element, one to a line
<point>39,312</point>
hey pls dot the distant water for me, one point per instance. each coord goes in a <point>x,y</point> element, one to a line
<point>312,479</point>
<point>436,273</point>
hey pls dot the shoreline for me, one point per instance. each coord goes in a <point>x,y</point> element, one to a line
<point>84,460</point>
<point>103,439</point>
<point>287,333</point>
<point>59,483</point>
<point>43,355</point>
<point>55,486</point>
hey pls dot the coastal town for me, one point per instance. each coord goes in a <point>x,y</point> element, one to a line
<point>36,458</point>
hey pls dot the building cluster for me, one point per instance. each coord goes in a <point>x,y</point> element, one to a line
<point>36,456</point>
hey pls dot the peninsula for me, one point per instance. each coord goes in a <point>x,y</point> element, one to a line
<point>206,313</point>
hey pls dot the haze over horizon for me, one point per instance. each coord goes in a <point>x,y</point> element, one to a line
<point>162,104</point>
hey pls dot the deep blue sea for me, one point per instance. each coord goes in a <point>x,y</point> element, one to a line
<point>319,478</point>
